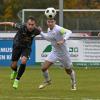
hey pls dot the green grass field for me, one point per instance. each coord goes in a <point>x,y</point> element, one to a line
<point>88,82</point>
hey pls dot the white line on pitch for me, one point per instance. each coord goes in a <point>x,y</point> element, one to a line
<point>41,98</point>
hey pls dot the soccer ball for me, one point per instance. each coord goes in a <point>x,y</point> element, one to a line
<point>50,12</point>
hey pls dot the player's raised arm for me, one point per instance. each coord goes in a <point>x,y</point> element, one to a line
<point>44,35</point>
<point>7,23</point>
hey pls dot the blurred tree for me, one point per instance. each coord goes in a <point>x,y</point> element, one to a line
<point>12,7</point>
<point>70,4</point>
<point>84,4</point>
<point>82,20</point>
<point>8,13</point>
<point>94,4</point>
<point>1,8</point>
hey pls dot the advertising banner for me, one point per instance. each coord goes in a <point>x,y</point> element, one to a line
<point>6,53</point>
<point>83,52</point>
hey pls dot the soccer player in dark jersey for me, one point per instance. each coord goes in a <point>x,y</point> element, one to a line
<point>21,46</point>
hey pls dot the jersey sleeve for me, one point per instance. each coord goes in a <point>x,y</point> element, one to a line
<point>17,26</point>
<point>65,33</point>
<point>45,36</point>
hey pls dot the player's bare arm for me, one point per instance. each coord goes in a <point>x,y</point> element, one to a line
<point>7,23</point>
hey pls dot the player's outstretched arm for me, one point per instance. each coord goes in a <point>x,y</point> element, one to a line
<point>45,36</point>
<point>7,23</point>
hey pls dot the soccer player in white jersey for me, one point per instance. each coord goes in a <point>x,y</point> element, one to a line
<point>57,36</point>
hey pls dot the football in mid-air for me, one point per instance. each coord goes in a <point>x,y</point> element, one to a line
<point>50,12</point>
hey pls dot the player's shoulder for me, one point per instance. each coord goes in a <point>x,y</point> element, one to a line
<point>62,30</point>
<point>23,25</point>
<point>19,25</point>
<point>58,28</point>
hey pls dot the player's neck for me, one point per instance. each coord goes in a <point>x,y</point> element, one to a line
<point>51,28</point>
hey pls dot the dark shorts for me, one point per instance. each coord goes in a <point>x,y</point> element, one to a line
<point>19,51</point>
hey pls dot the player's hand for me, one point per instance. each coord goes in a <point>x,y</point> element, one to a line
<point>60,42</point>
<point>40,29</point>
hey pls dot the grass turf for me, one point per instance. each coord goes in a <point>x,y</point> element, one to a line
<point>88,83</point>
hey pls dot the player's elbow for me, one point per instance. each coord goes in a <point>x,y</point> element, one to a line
<point>70,32</point>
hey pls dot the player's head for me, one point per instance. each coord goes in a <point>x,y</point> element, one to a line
<point>51,22</point>
<point>31,23</point>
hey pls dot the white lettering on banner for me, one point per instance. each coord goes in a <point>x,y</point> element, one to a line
<point>8,57</point>
<point>2,57</point>
<point>5,49</point>
<point>5,57</point>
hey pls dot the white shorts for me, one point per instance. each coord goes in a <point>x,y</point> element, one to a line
<point>64,60</point>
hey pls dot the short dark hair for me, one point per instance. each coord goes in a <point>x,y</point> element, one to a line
<point>51,18</point>
<point>31,18</point>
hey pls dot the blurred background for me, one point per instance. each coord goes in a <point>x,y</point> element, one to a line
<point>11,10</point>
<point>83,46</point>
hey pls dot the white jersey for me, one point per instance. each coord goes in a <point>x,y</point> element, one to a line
<point>57,34</point>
